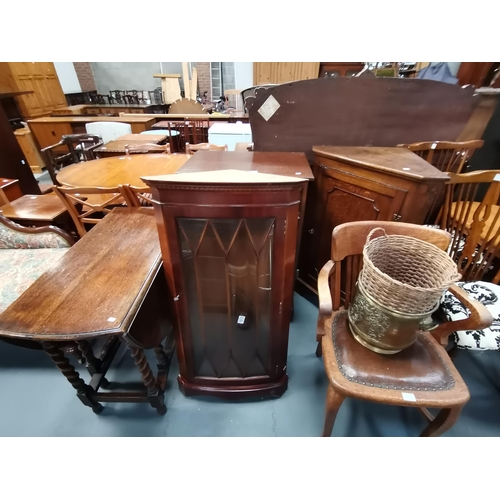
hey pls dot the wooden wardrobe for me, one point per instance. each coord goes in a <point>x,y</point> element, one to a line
<point>40,78</point>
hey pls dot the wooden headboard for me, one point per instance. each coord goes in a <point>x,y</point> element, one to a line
<point>359,112</point>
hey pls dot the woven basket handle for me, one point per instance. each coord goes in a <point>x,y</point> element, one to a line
<point>373,231</point>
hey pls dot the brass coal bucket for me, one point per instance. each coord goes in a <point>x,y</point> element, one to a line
<point>382,329</point>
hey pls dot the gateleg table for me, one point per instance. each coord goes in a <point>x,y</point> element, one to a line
<point>111,286</point>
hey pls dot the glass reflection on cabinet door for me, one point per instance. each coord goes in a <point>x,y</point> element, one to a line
<point>227,267</point>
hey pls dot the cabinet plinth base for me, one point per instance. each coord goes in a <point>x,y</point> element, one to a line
<point>240,391</point>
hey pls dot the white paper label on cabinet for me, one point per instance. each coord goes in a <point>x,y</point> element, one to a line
<point>269,107</point>
<point>409,396</point>
<point>241,320</point>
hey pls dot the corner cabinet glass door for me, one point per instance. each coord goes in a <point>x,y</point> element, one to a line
<point>229,237</point>
<point>227,267</point>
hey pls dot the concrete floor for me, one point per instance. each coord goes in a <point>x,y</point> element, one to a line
<point>36,400</point>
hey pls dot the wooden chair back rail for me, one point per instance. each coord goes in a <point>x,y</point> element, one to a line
<point>444,155</point>
<point>107,199</point>
<point>137,196</point>
<point>348,241</point>
<point>474,223</point>
<point>199,131</point>
<point>66,152</point>
<point>189,131</point>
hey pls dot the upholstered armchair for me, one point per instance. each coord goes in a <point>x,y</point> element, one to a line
<point>25,254</point>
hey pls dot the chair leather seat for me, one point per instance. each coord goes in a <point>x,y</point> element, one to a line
<point>417,368</point>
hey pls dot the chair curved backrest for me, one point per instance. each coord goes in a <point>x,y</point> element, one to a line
<point>187,131</point>
<point>348,241</point>
<point>116,96</point>
<point>72,148</point>
<point>15,236</point>
<point>95,203</point>
<point>137,196</point>
<point>471,213</point>
<point>445,156</point>
<point>109,131</point>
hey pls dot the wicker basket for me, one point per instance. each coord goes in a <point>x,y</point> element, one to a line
<point>404,273</point>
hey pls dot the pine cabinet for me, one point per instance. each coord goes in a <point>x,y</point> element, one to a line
<point>38,77</point>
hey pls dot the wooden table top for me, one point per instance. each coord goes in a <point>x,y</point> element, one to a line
<point>132,118</point>
<point>288,164</point>
<point>119,146</point>
<point>115,170</point>
<point>42,207</point>
<point>397,161</point>
<point>154,138</point>
<point>96,288</point>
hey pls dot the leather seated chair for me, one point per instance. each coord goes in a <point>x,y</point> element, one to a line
<point>421,376</point>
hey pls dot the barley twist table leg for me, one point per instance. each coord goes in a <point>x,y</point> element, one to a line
<point>84,392</point>
<point>155,394</point>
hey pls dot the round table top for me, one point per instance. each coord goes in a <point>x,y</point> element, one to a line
<point>115,170</point>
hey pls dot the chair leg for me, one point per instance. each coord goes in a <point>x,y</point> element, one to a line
<point>319,350</point>
<point>444,420</point>
<point>333,402</point>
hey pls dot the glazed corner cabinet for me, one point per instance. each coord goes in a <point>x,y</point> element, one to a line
<point>362,183</point>
<point>229,240</point>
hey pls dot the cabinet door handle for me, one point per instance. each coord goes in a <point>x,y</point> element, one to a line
<point>311,231</point>
<point>396,217</point>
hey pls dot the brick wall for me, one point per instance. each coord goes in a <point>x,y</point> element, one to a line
<point>85,76</point>
<point>204,82</point>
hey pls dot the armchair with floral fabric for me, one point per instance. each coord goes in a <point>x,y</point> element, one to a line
<point>25,254</point>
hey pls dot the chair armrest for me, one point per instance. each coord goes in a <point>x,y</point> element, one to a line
<point>325,298</point>
<point>479,317</point>
<point>89,152</point>
<point>94,146</point>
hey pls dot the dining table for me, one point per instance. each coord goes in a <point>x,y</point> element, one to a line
<point>116,170</point>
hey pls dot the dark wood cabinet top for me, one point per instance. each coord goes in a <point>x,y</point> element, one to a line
<point>396,161</point>
<point>289,164</point>
<point>96,287</point>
